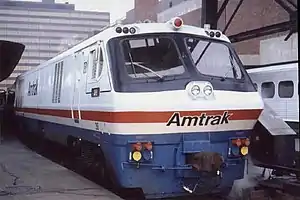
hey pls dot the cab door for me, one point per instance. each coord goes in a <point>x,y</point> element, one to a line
<point>97,79</point>
<point>93,67</point>
<point>75,106</point>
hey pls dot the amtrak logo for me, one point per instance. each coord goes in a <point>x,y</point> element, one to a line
<point>202,120</point>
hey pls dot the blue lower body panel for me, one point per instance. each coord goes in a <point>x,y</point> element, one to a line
<point>168,171</point>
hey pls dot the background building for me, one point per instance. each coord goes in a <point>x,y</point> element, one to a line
<point>251,15</point>
<point>45,28</point>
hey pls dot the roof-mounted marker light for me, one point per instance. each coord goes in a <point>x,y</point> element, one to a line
<point>132,30</point>
<point>125,30</point>
<point>218,34</point>
<point>119,29</point>
<point>177,22</point>
<point>212,34</point>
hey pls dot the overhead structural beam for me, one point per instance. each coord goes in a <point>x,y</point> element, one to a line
<point>292,3</point>
<point>294,26</point>
<point>232,16</point>
<point>286,5</point>
<point>209,13</point>
<point>289,35</point>
<point>267,30</point>
<point>223,7</point>
<point>283,4</point>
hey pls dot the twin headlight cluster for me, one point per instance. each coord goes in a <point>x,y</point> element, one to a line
<point>207,90</point>
<point>200,89</point>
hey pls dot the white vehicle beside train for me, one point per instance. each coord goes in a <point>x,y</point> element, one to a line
<point>279,87</point>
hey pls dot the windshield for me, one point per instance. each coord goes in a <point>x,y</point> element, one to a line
<point>168,61</point>
<point>213,58</point>
<point>151,57</point>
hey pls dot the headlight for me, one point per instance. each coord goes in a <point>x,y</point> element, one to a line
<point>200,89</point>
<point>244,151</point>
<point>207,90</point>
<point>141,151</point>
<point>147,155</point>
<point>235,150</point>
<point>195,90</point>
<point>137,156</point>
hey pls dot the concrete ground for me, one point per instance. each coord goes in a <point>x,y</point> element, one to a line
<point>25,175</point>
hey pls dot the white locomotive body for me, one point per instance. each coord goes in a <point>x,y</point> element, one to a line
<point>148,95</point>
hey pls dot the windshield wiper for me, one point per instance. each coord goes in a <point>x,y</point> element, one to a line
<point>203,52</point>
<point>130,57</point>
<point>232,67</point>
<point>161,78</point>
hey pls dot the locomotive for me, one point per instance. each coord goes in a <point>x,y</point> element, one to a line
<point>164,107</point>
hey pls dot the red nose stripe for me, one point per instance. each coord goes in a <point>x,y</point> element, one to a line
<point>139,116</point>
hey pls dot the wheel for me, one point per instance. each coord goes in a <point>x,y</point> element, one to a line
<point>104,170</point>
<point>90,163</point>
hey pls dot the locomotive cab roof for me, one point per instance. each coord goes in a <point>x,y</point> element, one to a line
<point>175,25</point>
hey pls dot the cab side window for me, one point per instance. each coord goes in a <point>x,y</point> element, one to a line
<point>100,67</point>
<point>96,63</point>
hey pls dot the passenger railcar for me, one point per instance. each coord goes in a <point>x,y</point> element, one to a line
<point>278,85</point>
<point>166,107</point>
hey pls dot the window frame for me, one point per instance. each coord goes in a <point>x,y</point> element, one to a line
<point>128,78</point>
<point>122,83</point>
<point>293,89</point>
<point>262,88</point>
<point>94,62</point>
<point>100,62</point>
<point>231,51</point>
<point>255,86</point>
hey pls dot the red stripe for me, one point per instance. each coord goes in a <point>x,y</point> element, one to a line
<point>140,116</point>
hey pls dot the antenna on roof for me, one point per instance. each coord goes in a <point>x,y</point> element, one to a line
<point>118,21</point>
<point>206,26</point>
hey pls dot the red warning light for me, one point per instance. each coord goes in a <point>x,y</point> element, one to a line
<point>177,22</point>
